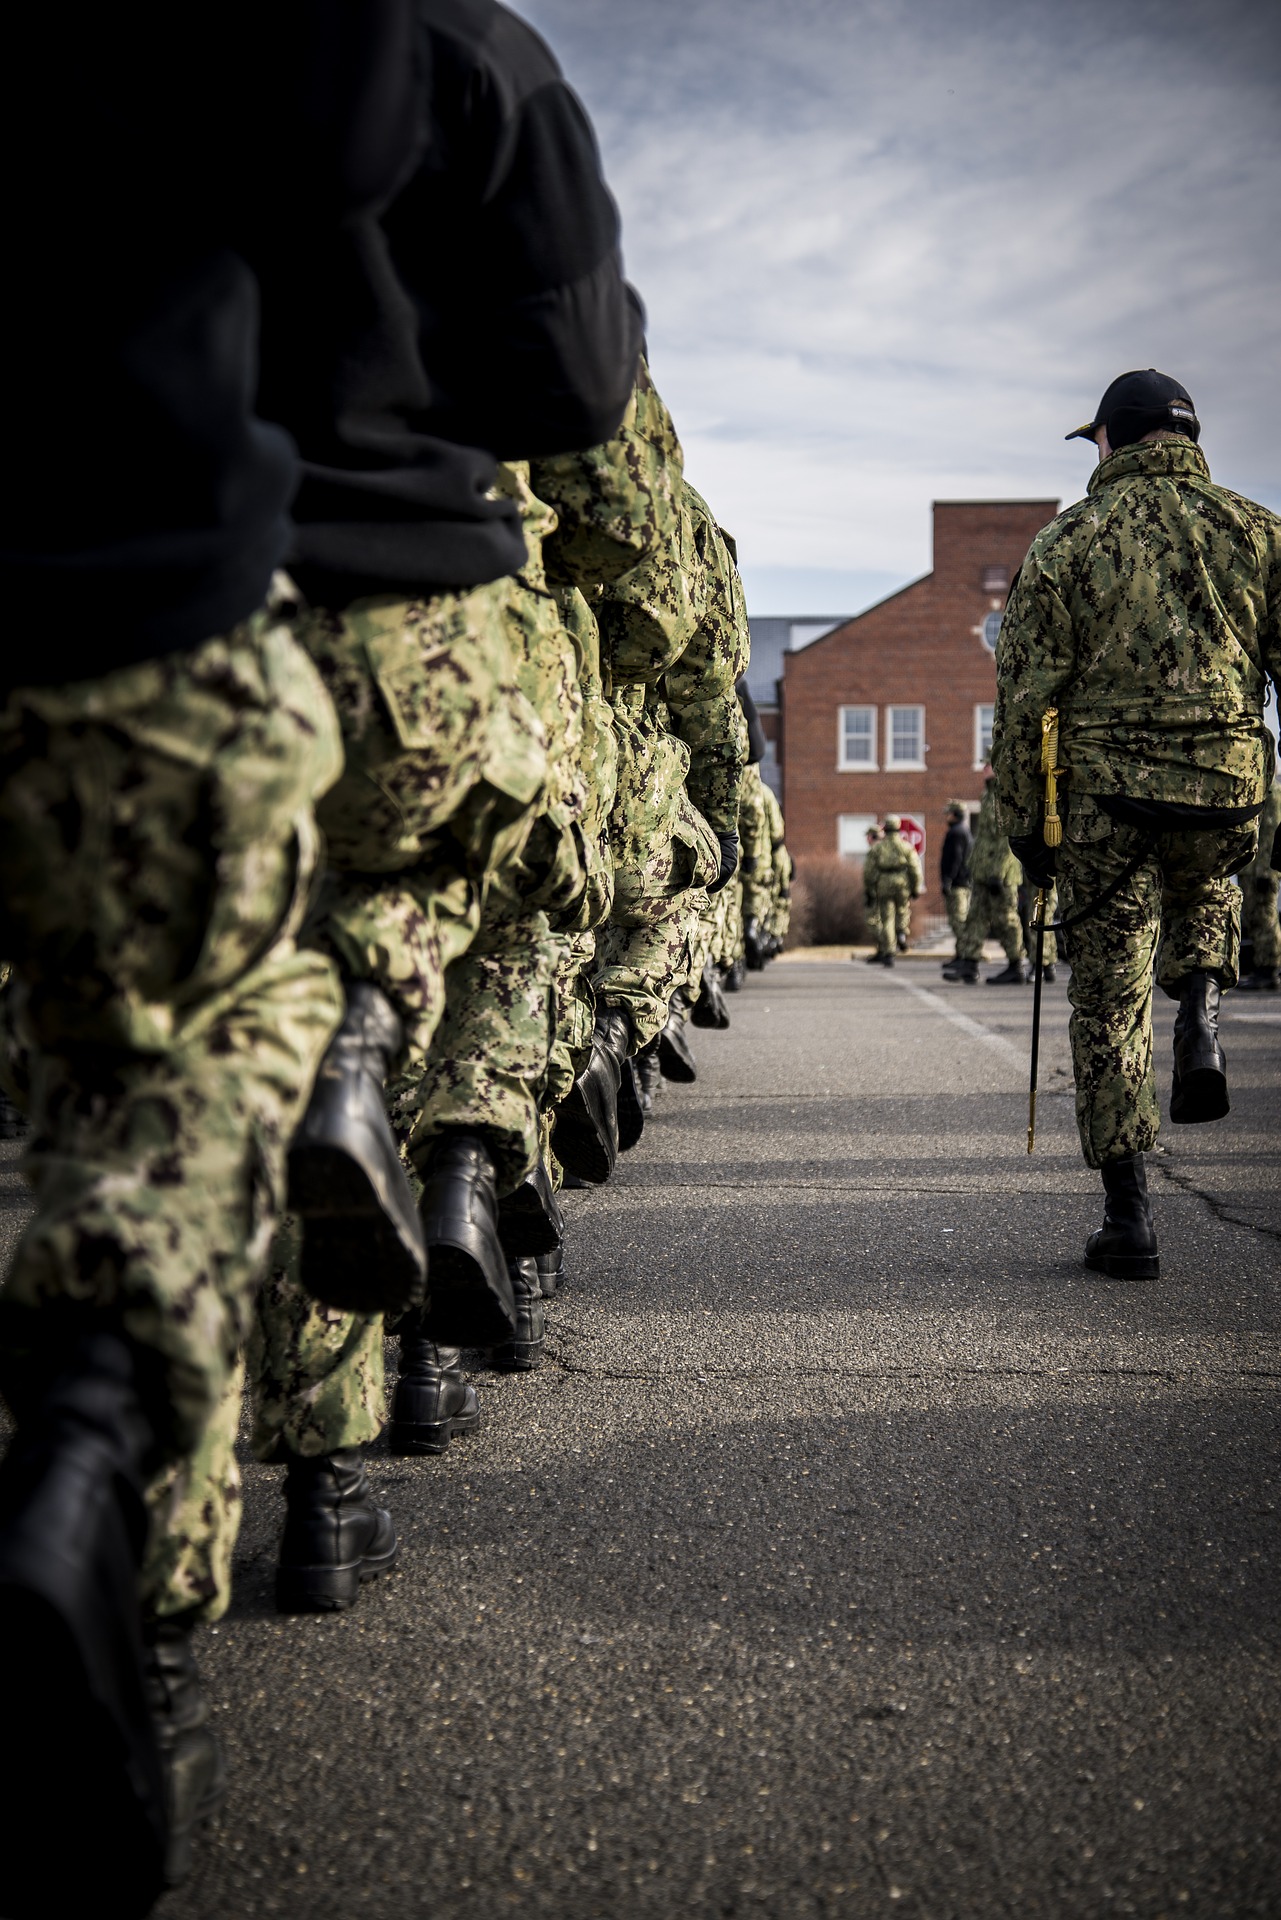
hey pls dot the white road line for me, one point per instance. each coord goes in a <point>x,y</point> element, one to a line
<point>975,1029</point>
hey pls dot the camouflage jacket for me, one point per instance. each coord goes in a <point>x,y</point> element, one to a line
<point>894,860</point>
<point>991,862</point>
<point>1149,614</point>
<point>617,503</point>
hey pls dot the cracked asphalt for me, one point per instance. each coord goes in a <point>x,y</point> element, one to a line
<point>855,1550</point>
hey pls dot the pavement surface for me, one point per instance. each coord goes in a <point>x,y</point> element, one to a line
<point>854,1551</point>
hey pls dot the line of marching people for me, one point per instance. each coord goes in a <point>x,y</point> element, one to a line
<point>378,808</point>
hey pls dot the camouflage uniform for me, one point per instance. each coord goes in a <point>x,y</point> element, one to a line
<point>957,900</point>
<point>158,847</point>
<point>896,882</point>
<point>664,592</point>
<point>994,896</point>
<point>1148,615</point>
<point>1259,921</point>
<point>488,1068</point>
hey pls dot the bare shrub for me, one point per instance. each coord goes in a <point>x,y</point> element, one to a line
<point>827,904</point>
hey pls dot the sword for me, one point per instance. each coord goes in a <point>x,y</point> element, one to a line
<point>1053,832</point>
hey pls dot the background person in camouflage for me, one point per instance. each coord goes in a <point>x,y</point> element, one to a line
<point>1259,923</point>
<point>1149,615</point>
<point>896,882</point>
<point>994,902</point>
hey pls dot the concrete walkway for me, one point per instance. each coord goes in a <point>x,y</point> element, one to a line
<point>856,1550</point>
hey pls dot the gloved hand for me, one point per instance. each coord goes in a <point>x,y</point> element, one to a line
<point>729,861</point>
<point>1038,860</point>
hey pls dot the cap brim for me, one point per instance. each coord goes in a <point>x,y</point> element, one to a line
<point>1087,432</point>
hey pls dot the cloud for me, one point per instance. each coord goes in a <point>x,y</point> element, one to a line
<point>892,250</point>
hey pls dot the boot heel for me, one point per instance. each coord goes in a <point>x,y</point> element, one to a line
<point>404,1437</point>
<point>1199,1096</point>
<point>317,1589</point>
<point>1123,1266</point>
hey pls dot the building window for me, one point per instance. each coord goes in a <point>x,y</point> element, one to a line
<point>992,629</point>
<point>996,579</point>
<point>856,740</point>
<point>905,736</point>
<point>983,719</point>
<point>851,834</point>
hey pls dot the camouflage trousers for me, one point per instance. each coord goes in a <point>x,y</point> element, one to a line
<point>994,914</point>
<point>316,1377</point>
<point>1177,914</point>
<point>891,911</point>
<point>1259,921</point>
<point>957,900</point>
<point>157,843</point>
<point>444,776</point>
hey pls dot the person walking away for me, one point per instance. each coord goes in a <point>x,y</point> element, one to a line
<point>1149,616</point>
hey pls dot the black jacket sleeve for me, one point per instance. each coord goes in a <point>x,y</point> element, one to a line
<point>508,241</point>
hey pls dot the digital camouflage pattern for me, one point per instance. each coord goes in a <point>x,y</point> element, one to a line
<point>754,849</point>
<point>1178,914</point>
<point>157,845</point>
<point>616,503</point>
<point>994,889</point>
<point>1259,881</point>
<point>957,901</point>
<point>699,690</point>
<point>896,880</point>
<point>445,776</point>
<point>1149,614</point>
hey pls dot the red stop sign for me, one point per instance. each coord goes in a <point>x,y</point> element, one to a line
<point>913,832</point>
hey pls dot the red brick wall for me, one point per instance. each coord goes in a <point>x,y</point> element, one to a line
<point>922,647</point>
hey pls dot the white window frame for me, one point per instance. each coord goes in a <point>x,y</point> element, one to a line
<point>980,758</point>
<point>904,766</point>
<point>855,766</point>
<point>851,834</point>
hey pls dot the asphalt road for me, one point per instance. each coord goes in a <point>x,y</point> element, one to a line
<point>855,1550</point>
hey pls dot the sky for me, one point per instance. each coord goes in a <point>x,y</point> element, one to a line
<point>892,251</point>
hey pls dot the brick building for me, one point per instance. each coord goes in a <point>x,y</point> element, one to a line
<point>891,712</point>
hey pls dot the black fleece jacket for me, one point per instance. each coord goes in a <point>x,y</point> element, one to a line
<point>482,314</point>
<point>151,155</point>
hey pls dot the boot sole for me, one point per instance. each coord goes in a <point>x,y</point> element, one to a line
<point>57,1730</point>
<point>526,1230</point>
<point>328,1589</point>
<point>1125,1266</point>
<point>631,1114</point>
<point>429,1437</point>
<point>468,1307</point>
<point>1199,1096</point>
<point>518,1356</point>
<point>180,1858</point>
<point>709,1018</point>
<point>353,1257</point>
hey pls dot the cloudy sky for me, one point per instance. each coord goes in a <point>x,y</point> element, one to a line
<point>893,249</point>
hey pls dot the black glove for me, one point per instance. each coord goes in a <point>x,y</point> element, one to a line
<point>729,860</point>
<point>1038,860</point>
<point>1265,884</point>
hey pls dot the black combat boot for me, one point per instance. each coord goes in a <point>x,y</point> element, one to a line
<point>524,1351</point>
<point>966,971</point>
<point>194,1768</point>
<point>1260,980</point>
<point>334,1538</point>
<point>872,959</point>
<point>1050,973</point>
<point>1124,1247</point>
<point>13,1124</point>
<point>734,975</point>
<point>529,1219</point>
<point>362,1243</point>
<point>551,1272</point>
<point>753,946</point>
<point>631,1114</point>
<point>1200,1090</point>
<point>432,1403</point>
<point>649,1077</point>
<point>585,1136</point>
<point>1013,974</point>
<point>886,959</point>
<point>901,943</point>
<point>675,1055</point>
<point>82,1779</point>
<point>470,1304</point>
<point>709,1009</point>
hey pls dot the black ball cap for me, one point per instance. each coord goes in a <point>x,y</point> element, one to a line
<point>1138,403</point>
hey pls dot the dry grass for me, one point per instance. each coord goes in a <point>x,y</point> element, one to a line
<point>827,904</point>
